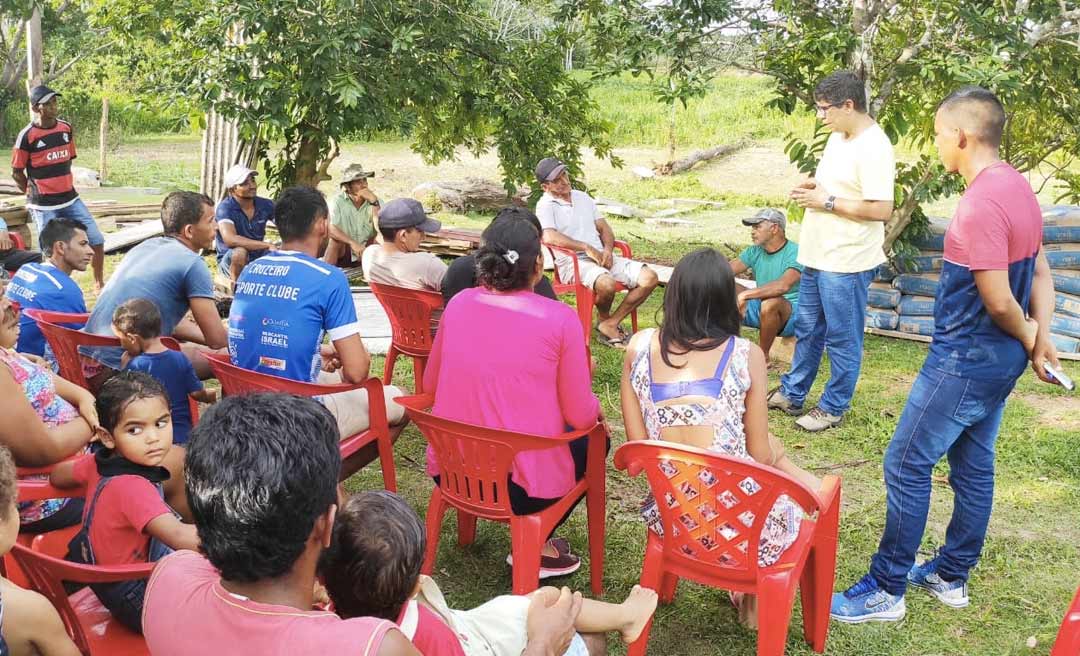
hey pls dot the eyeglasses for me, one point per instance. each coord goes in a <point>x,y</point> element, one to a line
<point>821,110</point>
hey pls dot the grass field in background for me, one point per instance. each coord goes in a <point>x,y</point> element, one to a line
<point>1030,567</point>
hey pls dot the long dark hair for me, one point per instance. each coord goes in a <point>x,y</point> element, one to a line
<point>700,306</point>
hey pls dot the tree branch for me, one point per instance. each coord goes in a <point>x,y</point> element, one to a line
<point>902,215</point>
<point>1068,22</point>
<point>906,55</point>
<point>53,73</point>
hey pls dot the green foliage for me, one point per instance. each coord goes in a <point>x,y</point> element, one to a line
<point>306,75</point>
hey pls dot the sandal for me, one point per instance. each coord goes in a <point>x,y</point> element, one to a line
<point>614,342</point>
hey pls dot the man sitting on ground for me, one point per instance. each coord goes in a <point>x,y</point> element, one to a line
<point>287,301</point>
<point>170,271</point>
<point>241,222</point>
<point>570,220</point>
<point>398,261</point>
<point>261,478</point>
<point>773,259</point>
<point>353,213</point>
<point>48,286</point>
<point>461,274</point>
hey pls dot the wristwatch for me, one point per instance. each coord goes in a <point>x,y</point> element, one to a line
<point>830,203</point>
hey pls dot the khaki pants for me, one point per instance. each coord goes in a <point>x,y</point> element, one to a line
<point>350,409</point>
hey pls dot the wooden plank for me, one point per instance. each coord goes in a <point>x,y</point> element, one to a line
<point>901,335</point>
<point>126,237</point>
<point>375,330</point>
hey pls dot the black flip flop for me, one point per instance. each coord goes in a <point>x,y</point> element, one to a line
<point>614,342</point>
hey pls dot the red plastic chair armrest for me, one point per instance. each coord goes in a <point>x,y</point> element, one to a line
<point>78,573</point>
<point>17,241</point>
<point>624,248</point>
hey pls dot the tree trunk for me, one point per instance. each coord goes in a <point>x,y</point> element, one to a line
<point>863,26</point>
<point>688,162</point>
<point>671,133</point>
<point>310,167</point>
<point>33,51</point>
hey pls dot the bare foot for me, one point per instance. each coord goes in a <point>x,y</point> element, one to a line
<point>609,329</point>
<point>639,607</point>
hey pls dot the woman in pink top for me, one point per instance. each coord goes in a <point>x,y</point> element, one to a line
<point>505,357</point>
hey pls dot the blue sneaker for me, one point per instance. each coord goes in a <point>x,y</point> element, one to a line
<point>951,593</point>
<point>867,602</point>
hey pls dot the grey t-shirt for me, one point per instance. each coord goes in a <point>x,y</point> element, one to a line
<point>162,270</point>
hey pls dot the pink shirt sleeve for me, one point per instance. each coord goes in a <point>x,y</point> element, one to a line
<point>580,407</point>
<point>985,233</point>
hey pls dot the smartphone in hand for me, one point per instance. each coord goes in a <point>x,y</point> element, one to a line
<point>1060,376</point>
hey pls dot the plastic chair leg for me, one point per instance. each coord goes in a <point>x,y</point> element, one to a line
<point>776,595</point>
<point>526,541</point>
<point>386,461</point>
<point>815,589</point>
<point>418,374</point>
<point>388,370</point>
<point>667,588</point>
<point>652,575</point>
<point>435,511</point>
<point>596,507</point>
<point>633,320</point>
<point>466,528</point>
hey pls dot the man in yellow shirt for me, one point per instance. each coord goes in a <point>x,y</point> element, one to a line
<point>847,203</point>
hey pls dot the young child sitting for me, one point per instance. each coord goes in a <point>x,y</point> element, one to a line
<point>127,520</point>
<point>372,569</point>
<point>28,622</point>
<point>138,325</point>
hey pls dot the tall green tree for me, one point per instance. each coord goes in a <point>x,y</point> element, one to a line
<point>303,75</point>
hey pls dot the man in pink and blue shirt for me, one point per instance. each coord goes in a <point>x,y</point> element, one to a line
<point>991,317</point>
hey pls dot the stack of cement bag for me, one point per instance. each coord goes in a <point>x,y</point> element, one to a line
<point>902,296</point>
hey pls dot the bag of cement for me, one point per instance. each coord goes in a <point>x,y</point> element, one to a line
<point>884,273</point>
<point>883,319</point>
<point>1067,304</point>
<point>1066,281</point>
<point>916,325</point>
<point>1063,256</point>
<point>1063,324</point>
<point>920,284</point>
<point>916,306</point>
<point>1065,344</point>
<point>1061,234</point>
<point>1060,214</point>
<point>882,295</point>
<point>928,261</point>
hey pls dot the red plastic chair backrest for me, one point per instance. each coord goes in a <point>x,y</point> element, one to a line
<point>409,311</point>
<point>475,461</point>
<point>236,380</point>
<point>65,342</point>
<point>712,507</point>
<point>1068,637</point>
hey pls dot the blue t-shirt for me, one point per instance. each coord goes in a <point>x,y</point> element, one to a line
<point>228,211</point>
<point>44,287</point>
<point>284,304</point>
<point>162,270</point>
<point>174,371</point>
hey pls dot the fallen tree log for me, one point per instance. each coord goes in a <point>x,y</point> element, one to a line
<point>471,193</point>
<point>698,156</point>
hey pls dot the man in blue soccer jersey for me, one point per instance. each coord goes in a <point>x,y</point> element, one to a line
<point>288,300</point>
<point>48,285</point>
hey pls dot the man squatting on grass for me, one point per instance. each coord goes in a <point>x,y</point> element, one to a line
<point>847,204</point>
<point>991,316</point>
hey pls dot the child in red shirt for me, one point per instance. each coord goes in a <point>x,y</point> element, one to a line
<point>127,520</point>
<point>372,569</point>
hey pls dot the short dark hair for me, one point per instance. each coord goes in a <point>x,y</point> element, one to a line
<point>374,560</point>
<point>701,309</point>
<point>494,268</point>
<point>522,214</point>
<point>260,470</point>
<point>987,123</point>
<point>182,208</point>
<point>9,488</point>
<point>123,388</point>
<point>842,86</point>
<point>138,316</point>
<point>58,230</point>
<point>390,234</point>
<point>297,209</point>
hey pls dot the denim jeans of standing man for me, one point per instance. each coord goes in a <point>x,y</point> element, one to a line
<point>944,415</point>
<point>830,317</point>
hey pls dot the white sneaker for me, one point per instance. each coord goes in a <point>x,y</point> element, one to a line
<point>818,420</point>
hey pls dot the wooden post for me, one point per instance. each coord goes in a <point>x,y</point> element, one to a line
<point>103,141</point>
<point>33,52</point>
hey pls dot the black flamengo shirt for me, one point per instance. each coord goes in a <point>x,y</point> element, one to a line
<point>45,154</point>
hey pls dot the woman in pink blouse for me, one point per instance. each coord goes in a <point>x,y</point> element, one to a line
<point>505,357</point>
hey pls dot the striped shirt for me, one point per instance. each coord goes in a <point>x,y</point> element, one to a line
<point>45,154</point>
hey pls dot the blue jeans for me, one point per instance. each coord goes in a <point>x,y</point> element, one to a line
<point>830,315</point>
<point>77,211</point>
<point>944,415</point>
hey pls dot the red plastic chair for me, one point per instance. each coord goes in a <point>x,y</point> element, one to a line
<point>410,313</point>
<point>65,343</point>
<point>53,543</point>
<point>712,518</point>
<point>585,298</point>
<point>237,380</point>
<point>18,243</point>
<point>1068,637</point>
<point>474,466</point>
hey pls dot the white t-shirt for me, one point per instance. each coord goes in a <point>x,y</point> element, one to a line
<point>420,271</point>
<point>576,219</point>
<point>861,168</point>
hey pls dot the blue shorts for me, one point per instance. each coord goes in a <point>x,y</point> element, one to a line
<point>77,211</point>
<point>753,317</point>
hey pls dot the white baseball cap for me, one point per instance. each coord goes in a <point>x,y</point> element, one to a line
<point>237,175</point>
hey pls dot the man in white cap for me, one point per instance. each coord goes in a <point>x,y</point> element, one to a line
<point>570,220</point>
<point>241,222</point>
<point>354,211</point>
